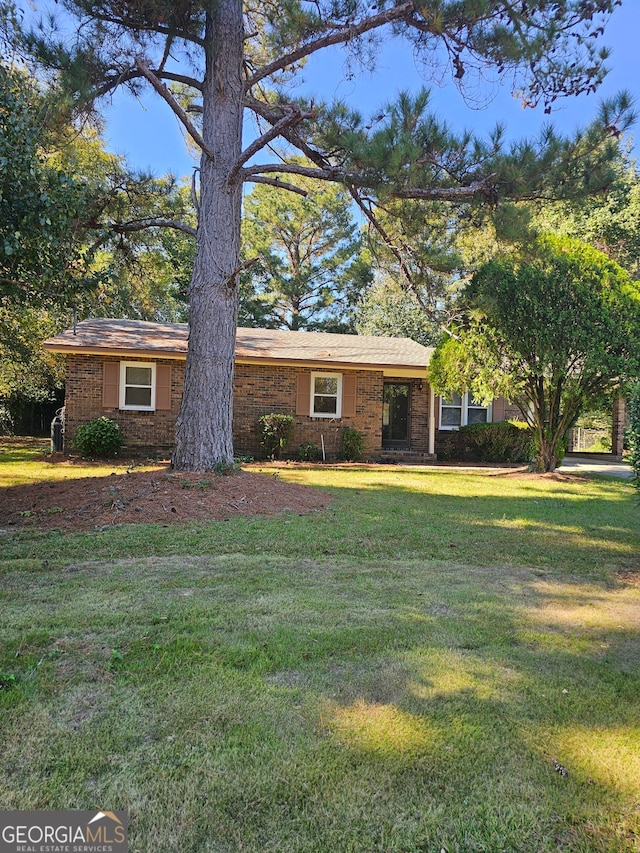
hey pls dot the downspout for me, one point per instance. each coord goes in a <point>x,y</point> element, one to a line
<point>432,422</point>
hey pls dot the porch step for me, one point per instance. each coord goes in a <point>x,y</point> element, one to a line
<point>406,457</point>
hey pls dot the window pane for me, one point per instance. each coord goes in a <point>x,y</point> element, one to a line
<point>454,400</point>
<point>137,397</point>
<point>325,405</point>
<point>477,416</point>
<point>138,376</point>
<point>450,416</point>
<point>326,385</point>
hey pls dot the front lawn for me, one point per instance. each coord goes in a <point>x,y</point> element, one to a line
<point>440,660</point>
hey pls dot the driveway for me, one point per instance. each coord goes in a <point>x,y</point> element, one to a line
<point>596,465</point>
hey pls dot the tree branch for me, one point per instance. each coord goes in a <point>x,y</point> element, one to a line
<point>395,251</point>
<point>445,193</point>
<point>152,222</point>
<point>132,74</point>
<point>275,182</point>
<point>326,172</point>
<point>139,26</point>
<point>194,192</point>
<point>344,33</point>
<point>166,95</point>
<point>293,169</point>
<point>293,117</point>
<point>267,112</point>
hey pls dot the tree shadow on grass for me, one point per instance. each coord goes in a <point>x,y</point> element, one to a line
<point>287,703</point>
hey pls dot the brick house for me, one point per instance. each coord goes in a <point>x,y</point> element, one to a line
<point>133,371</point>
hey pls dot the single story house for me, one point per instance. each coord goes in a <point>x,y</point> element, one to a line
<point>133,371</point>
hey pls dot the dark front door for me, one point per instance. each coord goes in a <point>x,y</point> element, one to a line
<point>395,415</point>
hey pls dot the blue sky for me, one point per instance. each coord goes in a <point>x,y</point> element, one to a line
<point>147,133</point>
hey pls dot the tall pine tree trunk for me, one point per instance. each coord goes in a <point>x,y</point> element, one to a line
<point>204,426</point>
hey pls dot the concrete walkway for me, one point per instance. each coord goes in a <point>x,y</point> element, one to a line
<point>596,465</point>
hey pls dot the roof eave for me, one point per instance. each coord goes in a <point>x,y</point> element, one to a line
<point>388,369</point>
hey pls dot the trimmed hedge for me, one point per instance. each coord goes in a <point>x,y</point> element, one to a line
<point>504,441</point>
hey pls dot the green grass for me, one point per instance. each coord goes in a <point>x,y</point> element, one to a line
<point>27,461</point>
<point>404,671</point>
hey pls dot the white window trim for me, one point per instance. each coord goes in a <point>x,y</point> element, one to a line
<point>464,420</point>
<point>338,395</point>
<point>123,385</point>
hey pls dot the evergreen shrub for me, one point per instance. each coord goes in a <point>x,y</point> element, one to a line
<point>98,438</point>
<point>351,445</point>
<point>309,452</point>
<point>505,441</point>
<point>275,432</point>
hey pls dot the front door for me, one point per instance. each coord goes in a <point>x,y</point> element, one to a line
<point>395,415</point>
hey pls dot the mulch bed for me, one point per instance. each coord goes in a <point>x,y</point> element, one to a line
<point>161,497</point>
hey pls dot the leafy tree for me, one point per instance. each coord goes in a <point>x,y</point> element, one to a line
<point>226,57</point>
<point>309,269</point>
<point>29,376</point>
<point>388,310</point>
<point>633,434</point>
<point>607,221</point>
<point>72,216</point>
<point>40,204</point>
<point>73,232</point>
<point>551,331</point>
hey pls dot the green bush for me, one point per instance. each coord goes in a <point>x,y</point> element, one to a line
<point>275,432</point>
<point>504,441</point>
<point>309,452</point>
<point>352,445</point>
<point>100,437</point>
<point>633,434</point>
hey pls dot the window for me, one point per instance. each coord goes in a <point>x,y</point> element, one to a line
<point>459,410</point>
<point>137,386</point>
<point>451,412</point>
<point>326,395</point>
<point>476,412</point>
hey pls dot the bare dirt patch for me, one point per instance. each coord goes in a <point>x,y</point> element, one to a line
<point>631,578</point>
<point>160,497</point>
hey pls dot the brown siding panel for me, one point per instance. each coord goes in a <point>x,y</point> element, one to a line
<point>303,393</point>
<point>349,394</point>
<point>497,413</point>
<point>110,385</point>
<point>163,387</point>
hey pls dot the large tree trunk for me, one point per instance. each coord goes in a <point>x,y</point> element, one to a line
<point>546,460</point>
<point>204,427</point>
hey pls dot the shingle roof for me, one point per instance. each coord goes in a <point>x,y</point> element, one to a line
<point>170,339</point>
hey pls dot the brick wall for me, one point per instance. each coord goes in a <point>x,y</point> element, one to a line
<point>261,390</point>
<point>141,431</point>
<point>258,390</point>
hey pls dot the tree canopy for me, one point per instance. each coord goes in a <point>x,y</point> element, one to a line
<point>212,62</point>
<point>608,221</point>
<point>308,268</point>
<point>550,330</point>
<point>388,310</point>
<point>73,231</point>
